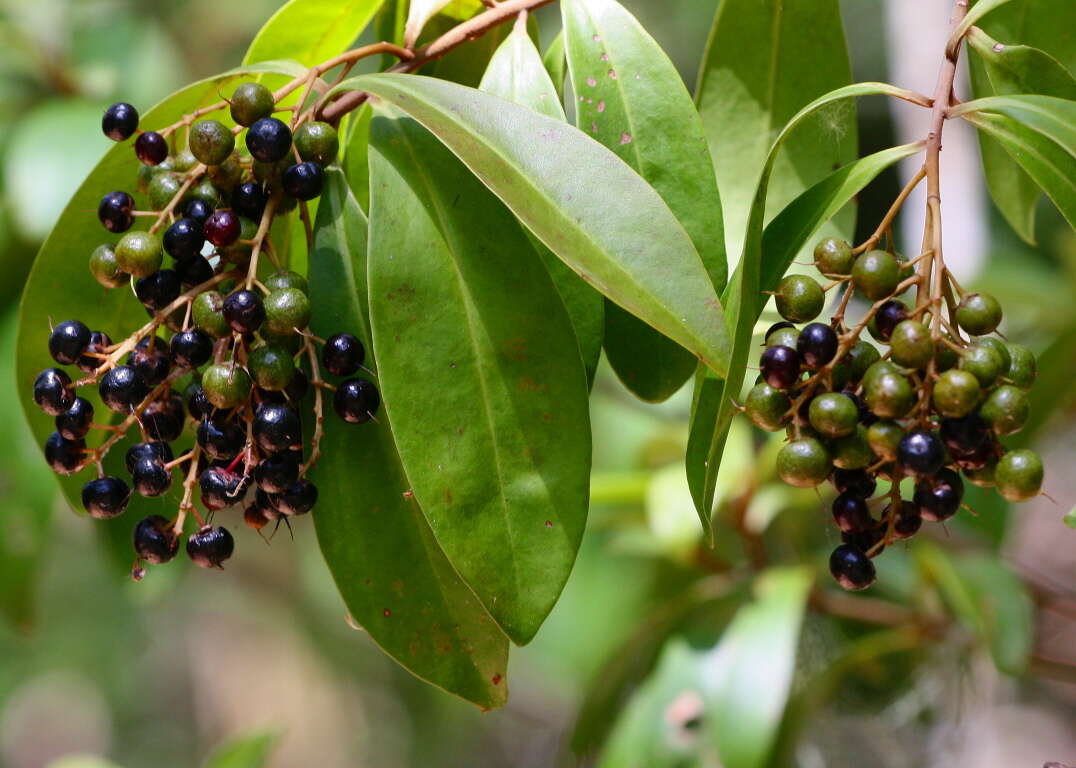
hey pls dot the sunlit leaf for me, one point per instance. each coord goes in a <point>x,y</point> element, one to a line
<point>311,31</point>
<point>247,751</point>
<point>421,11</point>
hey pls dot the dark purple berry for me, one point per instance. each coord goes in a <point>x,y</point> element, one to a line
<point>157,451</point>
<point>74,423</point>
<point>908,521</point>
<point>150,478</point>
<point>120,121</point>
<point>276,472</point>
<point>158,290</point>
<point>920,453</point>
<point>105,497</point>
<point>868,541</point>
<point>303,181</point>
<point>780,366</point>
<point>938,498</point>
<point>198,405</point>
<point>155,540</point>
<point>356,400</point>
<point>221,442</point>
<point>184,239</point>
<point>64,456</point>
<point>53,392</point>
<point>68,341</point>
<point>343,354</point>
<point>198,211</point>
<point>99,342</point>
<point>854,481</point>
<point>852,569</point>
<point>851,513</point>
<point>191,348</point>
<point>194,271</point>
<point>222,228</point>
<point>210,547</point>
<point>163,419</point>
<point>244,311</point>
<point>220,488</point>
<point>248,200</point>
<point>276,427</point>
<point>122,388</point>
<point>151,148</point>
<point>269,140</point>
<point>817,344</point>
<point>965,435</point>
<point>151,360</point>
<point>888,316</point>
<point>116,211</point>
<point>298,499</point>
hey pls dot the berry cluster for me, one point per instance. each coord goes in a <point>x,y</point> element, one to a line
<point>931,408</point>
<point>227,351</point>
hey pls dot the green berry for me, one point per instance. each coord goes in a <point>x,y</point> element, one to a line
<point>983,362</point>
<point>227,174</point>
<point>139,253</point>
<point>833,414</point>
<point>833,256</point>
<point>911,344</point>
<point>783,337</point>
<point>1007,409</point>
<point>979,314</point>
<point>226,385</point>
<point>270,173</point>
<point>105,268</point>
<point>799,298</point>
<point>804,463</point>
<point>876,274</point>
<point>956,393</point>
<point>1018,475</point>
<point>250,103</point>
<point>1001,348</point>
<point>211,142</point>
<point>1022,369</point>
<point>905,269</point>
<point>852,451</point>
<point>317,142</point>
<point>208,314</point>
<point>286,311</point>
<point>207,192</point>
<point>842,374</point>
<point>876,369</point>
<point>884,437</point>
<point>161,189</point>
<point>290,341</point>
<point>945,357</point>
<point>889,395</point>
<point>984,477</point>
<point>278,281</point>
<point>182,162</point>
<point>767,407</point>
<point>861,357</point>
<point>272,367</point>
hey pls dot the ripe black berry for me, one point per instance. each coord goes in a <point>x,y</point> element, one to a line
<point>155,540</point>
<point>158,290</point>
<point>191,348</point>
<point>105,497</point>
<point>158,451</point>
<point>198,211</point>
<point>115,211</point>
<point>852,569</point>
<point>965,434</point>
<point>269,140</point>
<point>920,453</point>
<point>210,547</point>
<point>122,388</point>
<point>99,341</point>
<point>244,311</point>
<point>938,498</point>
<point>851,513</point>
<point>64,456</point>
<point>220,488</point>
<point>198,405</point>
<point>194,271</point>
<point>184,239</point>
<point>151,148</point>
<point>120,121</point>
<point>151,360</point>
<point>276,472</point>
<point>817,344</point>
<point>53,392</point>
<point>780,366</point>
<point>222,228</point>
<point>150,477</point>
<point>303,181</point>
<point>249,199</point>
<point>343,354</point>
<point>299,498</point>
<point>854,481</point>
<point>220,441</point>
<point>868,541</point>
<point>908,521</point>
<point>276,427</point>
<point>75,422</point>
<point>356,400</point>
<point>68,341</point>
<point>163,419</point>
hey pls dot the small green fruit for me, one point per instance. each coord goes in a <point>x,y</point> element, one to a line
<point>911,344</point>
<point>889,395</point>
<point>833,414</point>
<point>804,463</point>
<point>767,407</point>
<point>852,451</point>
<point>105,268</point>
<point>317,142</point>
<point>139,253</point>
<point>979,314</point>
<point>278,281</point>
<point>250,103</point>
<point>1022,369</point>
<point>799,298</point>
<point>956,393</point>
<point>161,189</point>
<point>226,385</point>
<point>1018,475</point>
<point>211,142</point>
<point>876,274</point>
<point>983,362</point>
<point>884,437</point>
<point>1007,409</point>
<point>833,256</point>
<point>861,357</point>
<point>208,314</point>
<point>286,311</point>
<point>272,367</point>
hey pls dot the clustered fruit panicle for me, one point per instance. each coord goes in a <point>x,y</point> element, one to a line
<point>928,401</point>
<point>227,355</point>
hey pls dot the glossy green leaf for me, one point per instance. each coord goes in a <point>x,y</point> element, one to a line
<point>394,578</point>
<point>516,73</point>
<point>421,11</point>
<point>251,750</point>
<point>555,63</point>
<point>713,406</point>
<point>60,286</point>
<point>479,367</point>
<point>1070,518</point>
<point>976,12</point>
<point>1035,23</point>
<point>578,198</point>
<point>355,162</point>
<point>751,677</point>
<point>764,60</point>
<point>631,98</point>
<point>1021,69</point>
<point>311,31</point>
<point>1054,118</point>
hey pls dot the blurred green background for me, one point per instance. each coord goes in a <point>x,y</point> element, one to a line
<point>161,673</point>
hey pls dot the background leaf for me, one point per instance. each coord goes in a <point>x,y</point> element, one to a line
<point>631,98</point>
<point>555,62</point>
<point>559,183</point>
<point>421,11</point>
<point>247,751</point>
<point>394,578</point>
<point>479,368</point>
<point>311,31</point>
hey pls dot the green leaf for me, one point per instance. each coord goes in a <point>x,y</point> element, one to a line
<point>355,162</point>
<point>764,60</point>
<point>248,751</point>
<point>713,406</point>
<point>1021,69</point>
<point>976,12</point>
<point>60,286</point>
<point>1052,117</point>
<point>563,186</point>
<point>394,578</point>
<point>311,31</point>
<point>1035,23</point>
<point>555,63</point>
<point>632,100</point>
<point>753,665</point>
<point>1070,518</point>
<point>479,368</point>
<point>516,73</point>
<point>421,11</point>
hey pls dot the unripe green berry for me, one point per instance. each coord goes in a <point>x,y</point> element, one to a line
<point>861,357</point>
<point>286,311</point>
<point>161,189</point>
<point>876,274</point>
<point>1018,475</point>
<point>877,368</point>
<point>842,374</point>
<point>317,142</point>
<point>833,256</point>
<point>884,437</point>
<point>956,393</point>
<point>767,407</point>
<point>1007,409</point>
<point>208,314</point>
<point>289,342</point>
<point>799,298</point>
<point>904,267</point>
<point>804,463</point>
<point>783,337</point>
<point>207,192</point>
<point>105,268</point>
<point>983,362</point>
<point>211,142</point>
<point>833,414</point>
<point>272,367</point>
<point>227,174</point>
<point>945,357</point>
<point>889,395</point>
<point>270,173</point>
<point>226,385</point>
<point>1022,369</point>
<point>911,344</point>
<point>978,314</point>
<point>182,162</point>
<point>250,103</point>
<point>285,278</point>
<point>1000,347</point>
<point>139,253</point>
<point>852,451</point>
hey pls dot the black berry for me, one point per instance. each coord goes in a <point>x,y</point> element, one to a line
<point>303,181</point>
<point>220,488</point>
<point>105,497</point>
<point>163,419</point>
<point>158,290</point>
<point>64,456</point>
<point>68,341</point>
<point>298,499</point>
<point>122,388</point>
<point>780,366</point>
<point>852,569</point>
<point>244,311</point>
<point>276,427</point>
<point>157,451</point>
<point>151,148</point>
<point>75,422</point>
<point>248,200</point>
<point>120,121</point>
<point>184,239</point>
<point>817,344</point>
<point>191,348</point>
<point>53,392</point>
<point>220,441</point>
<point>99,342</point>
<point>343,354</point>
<point>151,360</point>
<point>889,315</point>
<point>276,472</point>
<point>150,477</point>
<point>851,513</point>
<point>115,211</point>
<point>920,453</point>
<point>356,400</point>
<point>854,481</point>
<point>194,271</point>
<point>938,498</point>
<point>155,540</point>
<point>210,547</point>
<point>198,211</point>
<point>268,140</point>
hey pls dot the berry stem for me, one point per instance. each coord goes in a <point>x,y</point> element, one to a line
<point>319,417</point>
<point>894,209</point>
<point>186,504</point>
<point>259,237</point>
<point>195,173</point>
